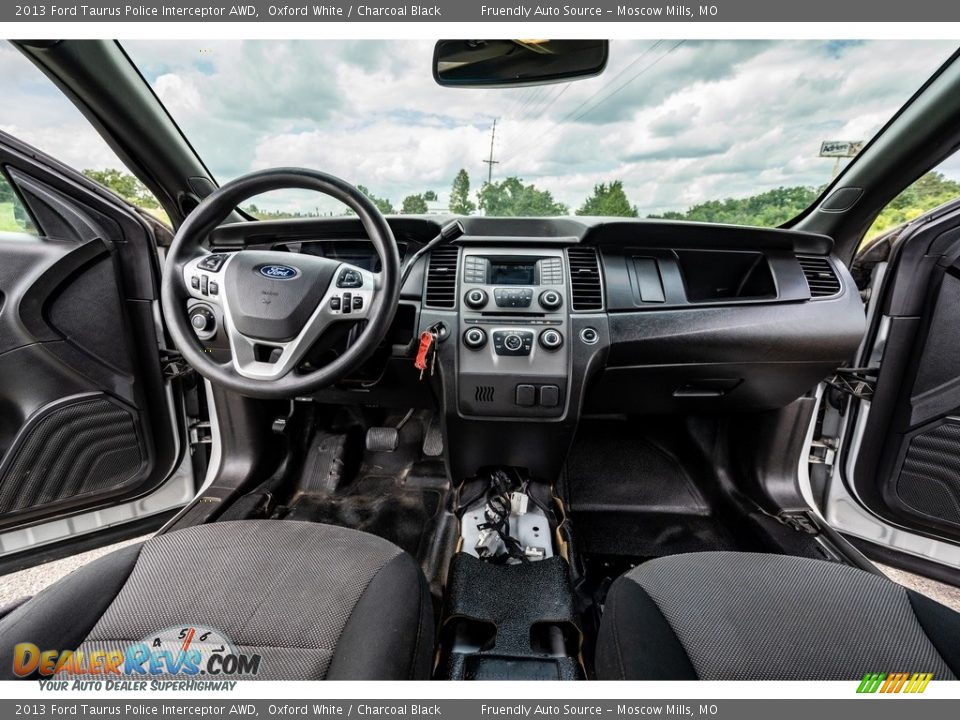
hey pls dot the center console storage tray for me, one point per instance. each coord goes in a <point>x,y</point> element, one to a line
<point>509,622</point>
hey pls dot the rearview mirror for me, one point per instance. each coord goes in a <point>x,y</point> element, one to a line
<point>503,63</point>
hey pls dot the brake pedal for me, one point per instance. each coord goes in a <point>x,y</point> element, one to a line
<point>382,439</point>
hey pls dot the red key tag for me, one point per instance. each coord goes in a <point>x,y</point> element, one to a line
<point>427,339</point>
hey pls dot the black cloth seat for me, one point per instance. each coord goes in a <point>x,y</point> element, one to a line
<point>314,601</point>
<point>747,616</point>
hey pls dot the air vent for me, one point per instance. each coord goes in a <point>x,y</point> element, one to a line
<point>585,283</point>
<point>821,278</point>
<point>442,278</point>
<point>484,393</point>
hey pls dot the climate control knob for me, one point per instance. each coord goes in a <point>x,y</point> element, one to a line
<point>512,342</point>
<point>475,338</point>
<point>551,340</point>
<point>550,300</point>
<point>475,299</point>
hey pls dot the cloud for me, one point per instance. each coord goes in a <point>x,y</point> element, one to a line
<point>36,112</point>
<point>679,124</point>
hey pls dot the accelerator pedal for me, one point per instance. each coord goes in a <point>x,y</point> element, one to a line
<point>433,440</point>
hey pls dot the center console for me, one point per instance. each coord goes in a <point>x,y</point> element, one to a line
<point>523,330</point>
<point>513,334</point>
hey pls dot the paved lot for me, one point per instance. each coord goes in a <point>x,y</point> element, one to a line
<point>29,582</point>
<point>941,592</point>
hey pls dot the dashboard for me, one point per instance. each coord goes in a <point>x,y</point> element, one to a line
<point>546,319</point>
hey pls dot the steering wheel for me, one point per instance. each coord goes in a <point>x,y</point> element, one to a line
<point>275,305</point>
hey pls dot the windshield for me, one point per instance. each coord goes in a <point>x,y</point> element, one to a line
<point>718,131</point>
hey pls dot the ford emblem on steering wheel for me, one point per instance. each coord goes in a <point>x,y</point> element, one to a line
<point>279,272</point>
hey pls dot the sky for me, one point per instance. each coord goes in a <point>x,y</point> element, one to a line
<point>678,122</point>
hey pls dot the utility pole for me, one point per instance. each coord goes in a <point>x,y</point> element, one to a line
<point>490,161</point>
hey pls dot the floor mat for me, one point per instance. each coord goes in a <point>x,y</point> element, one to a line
<point>376,504</point>
<point>399,496</point>
<point>629,495</point>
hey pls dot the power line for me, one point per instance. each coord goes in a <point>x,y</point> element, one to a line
<point>612,80</point>
<point>543,108</point>
<point>533,97</point>
<point>540,107</point>
<point>555,124</point>
<point>641,72</point>
<point>601,90</point>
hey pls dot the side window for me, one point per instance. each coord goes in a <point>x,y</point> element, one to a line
<point>35,111</point>
<point>14,217</point>
<point>929,191</point>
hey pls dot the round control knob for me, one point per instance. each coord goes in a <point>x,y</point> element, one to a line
<point>551,340</point>
<point>550,300</point>
<point>475,298</point>
<point>513,342</point>
<point>589,336</point>
<point>475,338</point>
<point>203,322</point>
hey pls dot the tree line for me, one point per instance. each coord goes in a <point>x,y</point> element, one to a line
<point>512,197</point>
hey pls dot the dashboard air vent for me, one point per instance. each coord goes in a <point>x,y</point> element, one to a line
<point>441,289</point>
<point>821,278</point>
<point>585,283</point>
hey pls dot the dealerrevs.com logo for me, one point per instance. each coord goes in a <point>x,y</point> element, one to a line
<point>889,683</point>
<point>182,658</point>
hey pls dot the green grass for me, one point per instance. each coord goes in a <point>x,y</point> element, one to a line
<point>8,223</point>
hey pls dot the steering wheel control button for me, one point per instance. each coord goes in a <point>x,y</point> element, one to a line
<point>526,395</point>
<point>551,340</point>
<point>475,338</point>
<point>205,284</point>
<point>589,336</point>
<point>550,300</point>
<point>203,322</point>
<point>512,342</point>
<point>347,303</point>
<point>213,263</point>
<point>549,396</point>
<point>335,302</point>
<point>195,282</point>
<point>214,288</point>
<point>349,279</point>
<point>475,299</point>
<point>358,302</point>
<point>513,297</point>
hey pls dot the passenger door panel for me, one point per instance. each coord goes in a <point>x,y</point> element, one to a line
<point>908,467</point>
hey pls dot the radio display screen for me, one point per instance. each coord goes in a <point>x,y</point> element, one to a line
<point>512,273</point>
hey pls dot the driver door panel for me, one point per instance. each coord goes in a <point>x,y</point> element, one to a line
<point>86,419</point>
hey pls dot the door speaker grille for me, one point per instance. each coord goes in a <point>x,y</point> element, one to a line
<point>87,446</point>
<point>929,480</point>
